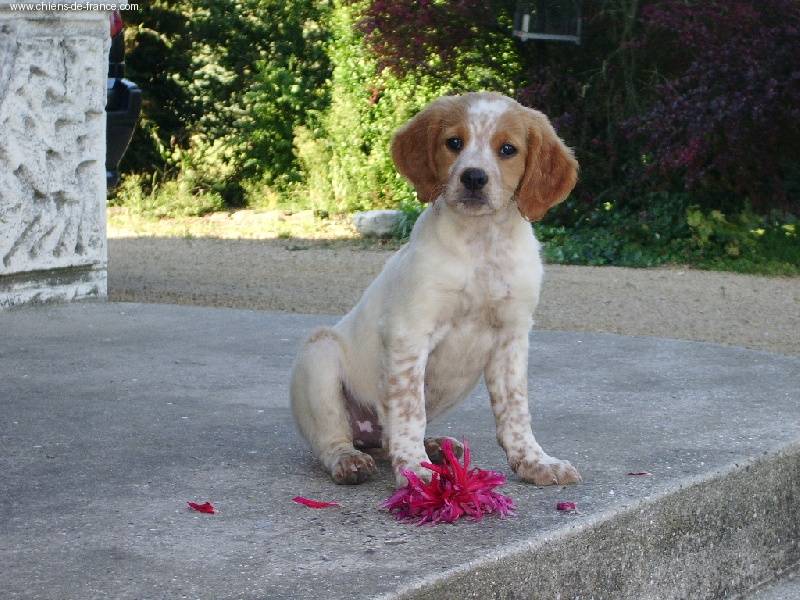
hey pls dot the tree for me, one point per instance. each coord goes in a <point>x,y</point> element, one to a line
<point>727,123</point>
<point>225,82</point>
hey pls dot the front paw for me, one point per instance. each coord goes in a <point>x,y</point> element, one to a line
<point>353,468</point>
<point>433,448</point>
<point>546,470</point>
<point>421,472</point>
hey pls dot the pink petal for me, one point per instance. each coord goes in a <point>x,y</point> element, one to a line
<point>203,508</point>
<point>567,506</point>
<point>315,503</point>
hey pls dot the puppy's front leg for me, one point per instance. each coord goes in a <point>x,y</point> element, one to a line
<point>507,380</point>
<point>404,410</point>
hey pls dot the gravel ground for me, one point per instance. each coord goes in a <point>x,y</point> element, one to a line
<point>316,277</point>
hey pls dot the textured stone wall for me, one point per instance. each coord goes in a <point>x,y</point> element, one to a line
<point>53,70</point>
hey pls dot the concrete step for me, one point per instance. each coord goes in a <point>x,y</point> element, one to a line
<point>115,415</point>
<point>785,587</point>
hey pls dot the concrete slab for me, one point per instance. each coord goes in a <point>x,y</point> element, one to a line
<point>113,416</point>
<point>787,587</point>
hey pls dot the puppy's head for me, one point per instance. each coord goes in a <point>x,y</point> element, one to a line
<point>481,152</point>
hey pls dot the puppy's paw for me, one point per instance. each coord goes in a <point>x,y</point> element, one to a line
<point>420,471</point>
<point>546,470</point>
<point>353,468</point>
<point>433,448</point>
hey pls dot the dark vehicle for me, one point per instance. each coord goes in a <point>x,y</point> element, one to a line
<point>123,103</point>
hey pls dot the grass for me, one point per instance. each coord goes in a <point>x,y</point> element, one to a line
<point>243,224</point>
<point>300,227</point>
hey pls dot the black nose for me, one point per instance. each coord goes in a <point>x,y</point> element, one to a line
<point>474,179</point>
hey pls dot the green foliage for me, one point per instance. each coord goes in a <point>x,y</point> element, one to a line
<point>267,102</point>
<point>411,211</point>
<point>289,91</point>
<point>313,154</point>
<point>226,80</point>
<point>293,103</point>
<point>643,235</point>
<point>356,140</point>
<point>169,199</point>
<point>367,106</point>
<point>745,242</point>
<point>669,230</point>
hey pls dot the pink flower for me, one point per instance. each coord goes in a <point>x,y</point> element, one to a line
<point>454,491</point>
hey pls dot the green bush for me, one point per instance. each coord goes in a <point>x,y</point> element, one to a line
<point>410,212</point>
<point>283,104</point>
<point>746,243</point>
<point>668,229</point>
<point>368,104</point>
<point>234,77</point>
<point>168,199</point>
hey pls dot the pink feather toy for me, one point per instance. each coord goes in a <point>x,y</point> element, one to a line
<point>454,491</point>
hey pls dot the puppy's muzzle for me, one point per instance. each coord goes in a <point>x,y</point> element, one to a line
<point>473,181</point>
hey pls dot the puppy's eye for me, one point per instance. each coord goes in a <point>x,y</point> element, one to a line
<point>455,144</point>
<point>507,150</point>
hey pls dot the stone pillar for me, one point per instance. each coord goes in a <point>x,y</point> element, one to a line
<point>53,67</point>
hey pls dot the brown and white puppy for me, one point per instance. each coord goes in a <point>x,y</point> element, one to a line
<point>454,304</point>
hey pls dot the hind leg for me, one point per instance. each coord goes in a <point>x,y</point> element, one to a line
<point>319,409</point>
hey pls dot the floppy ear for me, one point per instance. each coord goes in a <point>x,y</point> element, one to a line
<point>414,147</point>
<point>551,170</point>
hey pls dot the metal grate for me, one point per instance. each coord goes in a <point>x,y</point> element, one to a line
<point>557,20</point>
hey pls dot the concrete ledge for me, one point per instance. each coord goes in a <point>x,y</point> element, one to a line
<point>52,286</point>
<point>715,536</point>
<point>116,415</point>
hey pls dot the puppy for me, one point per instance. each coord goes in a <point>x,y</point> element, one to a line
<point>454,304</point>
